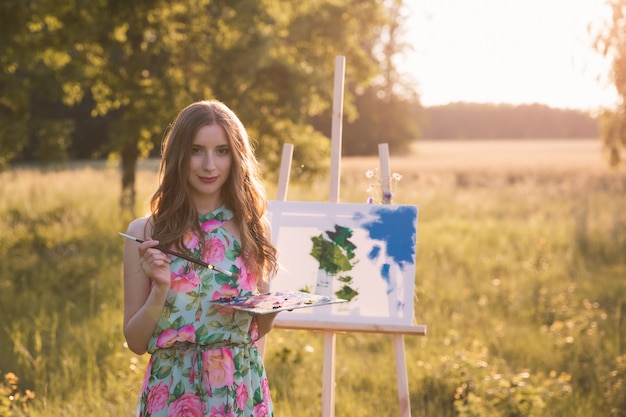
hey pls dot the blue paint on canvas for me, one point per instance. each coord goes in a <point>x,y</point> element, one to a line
<point>384,273</point>
<point>374,253</point>
<point>397,229</point>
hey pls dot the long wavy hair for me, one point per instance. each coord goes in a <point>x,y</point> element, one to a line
<point>172,212</point>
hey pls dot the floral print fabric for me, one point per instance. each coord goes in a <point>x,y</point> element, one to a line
<point>204,361</point>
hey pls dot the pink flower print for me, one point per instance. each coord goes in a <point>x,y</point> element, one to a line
<point>169,337</point>
<point>260,410</point>
<point>210,225</point>
<point>187,334</point>
<point>187,405</point>
<point>247,280</point>
<point>218,368</point>
<point>241,394</point>
<point>146,377</point>
<point>220,412</point>
<point>225,291</point>
<point>265,388</point>
<point>157,397</point>
<point>253,330</point>
<point>214,250</point>
<point>198,313</point>
<point>191,240</point>
<point>183,282</point>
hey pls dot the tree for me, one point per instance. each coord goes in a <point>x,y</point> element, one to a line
<point>611,41</point>
<point>19,56</point>
<point>393,120</point>
<point>131,65</point>
<point>505,121</point>
<point>387,109</point>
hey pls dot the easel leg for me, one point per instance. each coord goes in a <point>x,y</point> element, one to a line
<point>403,381</point>
<point>328,383</point>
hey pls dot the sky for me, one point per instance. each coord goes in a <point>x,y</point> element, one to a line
<point>508,51</point>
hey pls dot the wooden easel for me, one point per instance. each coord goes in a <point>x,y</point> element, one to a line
<point>329,329</point>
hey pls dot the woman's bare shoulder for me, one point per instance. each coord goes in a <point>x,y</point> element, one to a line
<point>140,227</point>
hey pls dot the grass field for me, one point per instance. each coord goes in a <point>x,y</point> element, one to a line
<point>521,280</point>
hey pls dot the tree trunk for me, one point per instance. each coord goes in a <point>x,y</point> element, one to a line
<point>130,154</point>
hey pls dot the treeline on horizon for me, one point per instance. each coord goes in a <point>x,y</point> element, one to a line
<point>459,120</point>
<point>463,120</point>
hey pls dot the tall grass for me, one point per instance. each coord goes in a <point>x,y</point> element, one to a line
<point>521,280</point>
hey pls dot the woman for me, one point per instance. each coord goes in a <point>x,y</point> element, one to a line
<point>210,204</point>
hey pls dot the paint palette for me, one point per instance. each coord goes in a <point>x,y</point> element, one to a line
<point>275,302</point>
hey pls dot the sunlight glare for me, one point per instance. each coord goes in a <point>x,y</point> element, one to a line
<point>508,51</point>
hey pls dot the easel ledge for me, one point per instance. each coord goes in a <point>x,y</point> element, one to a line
<point>418,330</point>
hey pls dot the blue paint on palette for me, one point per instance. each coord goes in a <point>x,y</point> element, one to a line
<point>397,228</point>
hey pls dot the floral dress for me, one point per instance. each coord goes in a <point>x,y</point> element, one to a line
<point>204,360</point>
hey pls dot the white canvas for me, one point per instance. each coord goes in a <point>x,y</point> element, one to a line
<point>372,247</point>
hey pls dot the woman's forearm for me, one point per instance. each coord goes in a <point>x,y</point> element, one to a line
<point>140,327</point>
<point>265,323</point>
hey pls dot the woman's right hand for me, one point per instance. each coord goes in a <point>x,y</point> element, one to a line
<point>155,263</point>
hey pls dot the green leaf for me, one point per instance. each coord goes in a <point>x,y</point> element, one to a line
<point>341,237</point>
<point>178,323</point>
<point>258,396</point>
<point>330,256</point>
<point>346,293</point>
<point>215,337</point>
<point>223,279</point>
<point>163,371</point>
<point>345,278</point>
<point>202,332</point>
<point>179,389</point>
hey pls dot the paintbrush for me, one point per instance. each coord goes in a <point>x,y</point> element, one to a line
<point>180,255</point>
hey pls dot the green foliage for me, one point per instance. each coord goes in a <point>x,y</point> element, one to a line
<point>610,42</point>
<point>106,77</point>
<point>529,303</point>
<point>335,256</point>
<point>393,120</point>
<point>488,390</point>
<point>517,280</point>
<point>613,137</point>
<point>62,283</point>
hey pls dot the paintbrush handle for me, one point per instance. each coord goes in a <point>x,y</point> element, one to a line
<point>180,255</point>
